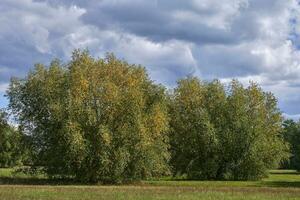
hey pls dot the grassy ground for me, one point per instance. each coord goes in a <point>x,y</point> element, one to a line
<point>281,185</point>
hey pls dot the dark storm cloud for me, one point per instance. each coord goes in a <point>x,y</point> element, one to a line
<point>162,20</point>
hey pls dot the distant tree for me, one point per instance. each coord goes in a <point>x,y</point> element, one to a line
<point>10,143</point>
<point>93,119</point>
<point>292,137</point>
<point>218,134</point>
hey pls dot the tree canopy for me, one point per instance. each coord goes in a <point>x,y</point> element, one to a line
<point>219,133</point>
<point>94,119</point>
<point>104,120</point>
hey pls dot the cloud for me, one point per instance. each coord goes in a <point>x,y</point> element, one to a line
<point>235,38</point>
<point>166,62</point>
<point>29,31</point>
<point>245,39</point>
<point>203,21</point>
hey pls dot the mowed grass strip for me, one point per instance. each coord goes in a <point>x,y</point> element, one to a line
<point>280,185</point>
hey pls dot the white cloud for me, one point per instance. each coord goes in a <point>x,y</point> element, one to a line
<point>212,13</point>
<point>245,39</point>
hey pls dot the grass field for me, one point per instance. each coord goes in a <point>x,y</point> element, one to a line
<point>281,185</point>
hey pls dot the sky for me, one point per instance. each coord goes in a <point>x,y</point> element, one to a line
<point>254,40</point>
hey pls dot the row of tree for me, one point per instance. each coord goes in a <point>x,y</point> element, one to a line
<point>105,120</point>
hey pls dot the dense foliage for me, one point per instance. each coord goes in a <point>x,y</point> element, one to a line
<point>105,120</point>
<point>94,119</point>
<point>10,143</point>
<point>292,136</point>
<point>224,134</point>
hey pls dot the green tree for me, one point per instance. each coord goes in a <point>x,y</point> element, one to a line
<point>253,134</point>
<point>292,137</point>
<point>94,119</point>
<point>215,104</point>
<point>193,136</point>
<point>38,101</point>
<point>10,143</point>
<point>219,134</point>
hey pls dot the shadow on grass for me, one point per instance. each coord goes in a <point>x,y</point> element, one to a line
<point>36,181</point>
<point>46,181</point>
<point>295,182</point>
<point>56,181</point>
<point>285,172</point>
<point>286,184</point>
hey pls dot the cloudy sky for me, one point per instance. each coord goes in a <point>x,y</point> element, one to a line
<point>245,39</point>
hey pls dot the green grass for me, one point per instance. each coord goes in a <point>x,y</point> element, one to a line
<point>281,185</point>
<point>5,172</point>
<point>277,178</point>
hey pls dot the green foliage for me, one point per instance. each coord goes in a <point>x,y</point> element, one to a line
<point>93,119</point>
<point>292,136</point>
<point>193,141</point>
<point>10,143</point>
<point>104,120</point>
<point>219,134</point>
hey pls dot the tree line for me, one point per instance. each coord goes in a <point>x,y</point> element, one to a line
<point>105,120</point>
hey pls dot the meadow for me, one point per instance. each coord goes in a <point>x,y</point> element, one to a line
<point>281,184</point>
